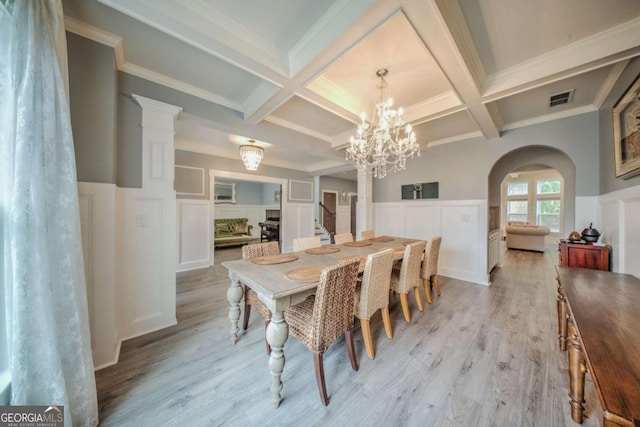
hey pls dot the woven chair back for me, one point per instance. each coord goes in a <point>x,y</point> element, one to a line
<point>410,268</point>
<point>341,238</point>
<point>260,249</point>
<point>368,234</point>
<point>431,254</point>
<point>333,308</point>
<point>302,243</point>
<point>374,291</point>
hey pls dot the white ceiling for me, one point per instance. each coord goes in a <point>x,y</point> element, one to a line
<point>301,71</point>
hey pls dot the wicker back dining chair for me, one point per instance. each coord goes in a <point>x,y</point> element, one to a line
<point>430,267</point>
<point>368,234</point>
<point>408,277</point>
<point>341,238</point>
<point>373,295</point>
<point>302,243</point>
<point>319,320</point>
<point>250,297</point>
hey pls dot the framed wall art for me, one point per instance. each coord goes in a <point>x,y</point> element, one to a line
<point>626,132</point>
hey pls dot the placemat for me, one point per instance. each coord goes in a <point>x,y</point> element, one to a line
<point>323,250</point>
<point>274,259</point>
<point>304,274</point>
<point>358,243</point>
<point>383,239</point>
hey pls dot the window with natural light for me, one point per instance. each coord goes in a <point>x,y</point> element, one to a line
<point>548,203</point>
<point>517,210</point>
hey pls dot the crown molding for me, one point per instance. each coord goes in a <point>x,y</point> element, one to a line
<point>456,138</point>
<point>297,128</point>
<point>609,82</point>
<point>550,117</point>
<point>432,106</point>
<point>333,92</point>
<point>103,37</point>
<point>609,46</point>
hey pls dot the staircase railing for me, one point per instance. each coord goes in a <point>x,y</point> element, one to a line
<point>332,215</point>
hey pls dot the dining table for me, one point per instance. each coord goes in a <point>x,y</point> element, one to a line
<point>283,280</point>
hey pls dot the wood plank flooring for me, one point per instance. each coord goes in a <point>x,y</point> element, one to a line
<point>477,356</point>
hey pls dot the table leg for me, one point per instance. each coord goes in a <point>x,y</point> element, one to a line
<point>277,334</point>
<point>234,295</point>
<point>562,319</point>
<point>577,370</point>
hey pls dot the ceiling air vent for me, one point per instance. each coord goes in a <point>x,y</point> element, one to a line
<point>561,98</point>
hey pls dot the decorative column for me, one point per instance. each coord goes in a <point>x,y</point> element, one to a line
<point>364,217</point>
<point>148,226</point>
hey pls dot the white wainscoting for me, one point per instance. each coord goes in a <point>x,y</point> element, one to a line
<point>193,234</point>
<point>299,223</point>
<point>98,226</point>
<point>343,219</point>
<point>461,223</point>
<point>618,214</point>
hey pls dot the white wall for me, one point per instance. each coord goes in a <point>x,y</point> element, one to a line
<point>462,224</point>
<point>618,214</point>
<point>193,234</point>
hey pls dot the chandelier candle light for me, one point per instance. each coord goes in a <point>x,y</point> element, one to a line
<point>387,142</point>
<point>251,155</point>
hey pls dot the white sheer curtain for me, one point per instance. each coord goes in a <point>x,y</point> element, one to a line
<point>42,267</point>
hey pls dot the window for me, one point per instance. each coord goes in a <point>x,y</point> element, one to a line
<point>517,189</point>
<point>517,210</point>
<point>549,186</point>
<point>548,214</point>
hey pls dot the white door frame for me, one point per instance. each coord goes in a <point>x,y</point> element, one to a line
<point>284,196</point>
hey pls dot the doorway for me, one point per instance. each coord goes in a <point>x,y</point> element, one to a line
<point>329,205</point>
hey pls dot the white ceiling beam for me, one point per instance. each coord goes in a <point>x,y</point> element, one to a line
<point>605,48</point>
<point>453,59</point>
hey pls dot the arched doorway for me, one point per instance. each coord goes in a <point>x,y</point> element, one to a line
<point>530,158</point>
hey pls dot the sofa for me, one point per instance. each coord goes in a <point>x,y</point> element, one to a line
<point>526,236</point>
<point>231,232</point>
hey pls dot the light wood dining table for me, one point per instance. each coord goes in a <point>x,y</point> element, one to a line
<point>279,292</point>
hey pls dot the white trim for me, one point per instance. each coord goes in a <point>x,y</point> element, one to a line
<point>550,117</point>
<point>201,193</point>
<point>296,127</point>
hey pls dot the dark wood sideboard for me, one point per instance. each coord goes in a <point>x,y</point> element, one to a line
<point>585,256</point>
<point>598,319</point>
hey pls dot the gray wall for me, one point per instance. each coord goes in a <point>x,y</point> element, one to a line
<point>187,158</point>
<point>92,89</point>
<point>340,185</point>
<point>608,180</point>
<point>463,168</point>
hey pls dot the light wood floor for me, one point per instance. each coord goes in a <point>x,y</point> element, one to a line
<point>478,356</point>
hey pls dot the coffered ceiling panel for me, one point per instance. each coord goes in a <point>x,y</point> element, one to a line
<point>298,73</point>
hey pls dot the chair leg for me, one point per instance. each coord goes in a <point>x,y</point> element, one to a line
<point>387,322</point>
<point>416,289</point>
<point>319,367</point>
<point>404,301</point>
<point>427,290</point>
<point>266,325</point>
<point>436,285</point>
<point>351,349</point>
<point>366,334</point>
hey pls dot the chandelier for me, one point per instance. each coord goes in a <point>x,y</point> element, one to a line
<point>251,155</point>
<point>389,142</point>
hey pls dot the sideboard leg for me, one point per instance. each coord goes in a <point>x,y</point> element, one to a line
<point>562,319</point>
<point>577,370</point>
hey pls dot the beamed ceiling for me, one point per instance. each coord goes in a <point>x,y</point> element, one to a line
<point>298,73</point>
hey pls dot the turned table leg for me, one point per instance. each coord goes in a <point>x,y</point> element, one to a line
<point>577,370</point>
<point>234,295</point>
<point>562,319</point>
<point>277,334</point>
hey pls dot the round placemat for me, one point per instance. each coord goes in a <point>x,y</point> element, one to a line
<point>358,243</point>
<point>323,250</point>
<point>304,274</point>
<point>274,259</point>
<point>382,239</point>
